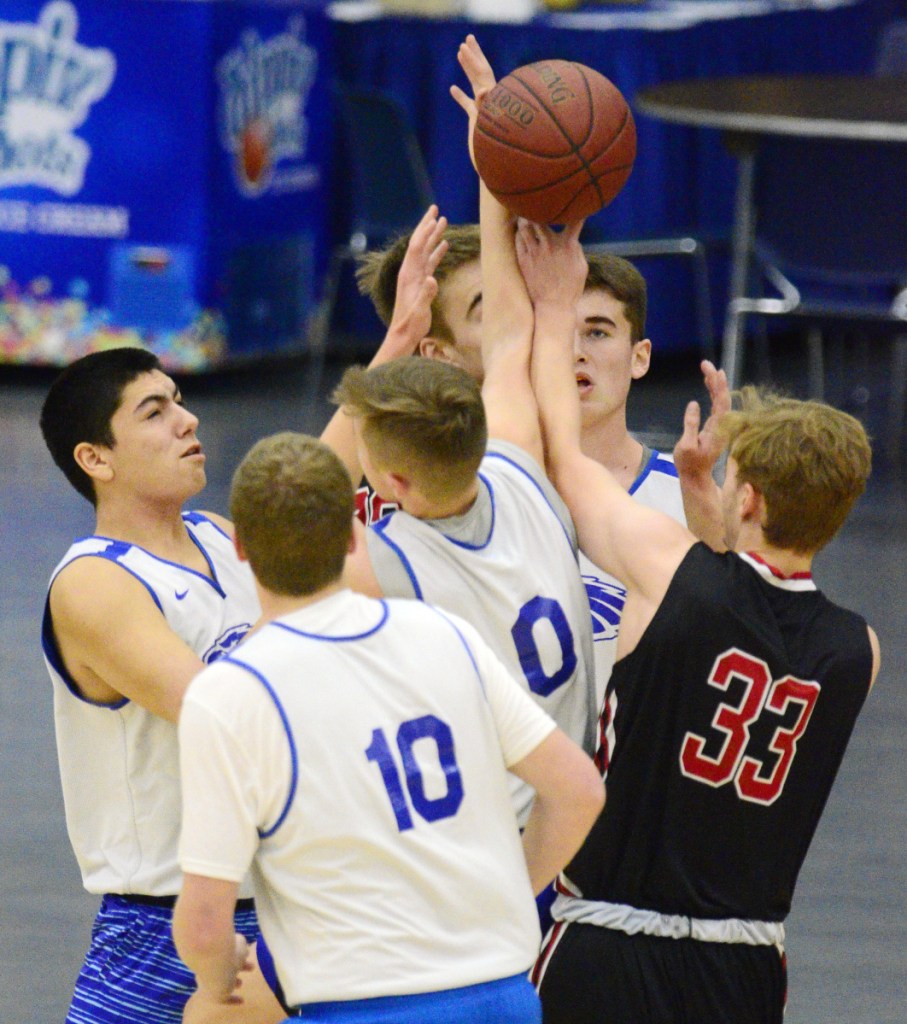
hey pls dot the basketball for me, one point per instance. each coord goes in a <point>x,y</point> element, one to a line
<point>554,141</point>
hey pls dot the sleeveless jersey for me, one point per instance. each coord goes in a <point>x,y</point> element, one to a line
<point>508,566</point>
<point>658,487</point>
<point>724,731</point>
<point>119,762</point>
<point>356,749</point>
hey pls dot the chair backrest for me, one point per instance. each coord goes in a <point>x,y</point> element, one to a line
<point>389,185</point>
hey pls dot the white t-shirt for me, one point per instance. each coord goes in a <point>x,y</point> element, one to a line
<point>355,753</point>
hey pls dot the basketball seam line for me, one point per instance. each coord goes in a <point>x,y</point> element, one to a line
<point>573,145</point>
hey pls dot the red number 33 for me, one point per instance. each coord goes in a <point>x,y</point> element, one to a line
<point>753,779</point>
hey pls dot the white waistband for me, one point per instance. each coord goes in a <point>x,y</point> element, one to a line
<point>667,926</point>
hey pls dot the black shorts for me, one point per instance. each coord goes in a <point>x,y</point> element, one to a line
<point>601,976</point>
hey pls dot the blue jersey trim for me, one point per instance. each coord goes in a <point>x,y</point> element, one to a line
<point>380,529</point>
<point>111,553</point>
<point>657,464</point>
<point>537,486</point>
<point>468,649</point>
<point>294,760</point>
<point>52,653</point>
<point>123,546</point>
<point>337,639</point>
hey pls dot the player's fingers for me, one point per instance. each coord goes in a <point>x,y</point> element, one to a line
<point>466,102</point>
<point>572,231</point>
<point>437,254</point>
<point>692,417</point>
<point>428,291</point>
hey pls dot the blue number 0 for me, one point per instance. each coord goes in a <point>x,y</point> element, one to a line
<point>527,650</point>
<point>426,727</point>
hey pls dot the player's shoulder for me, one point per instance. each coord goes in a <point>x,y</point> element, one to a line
<point>114,589</point>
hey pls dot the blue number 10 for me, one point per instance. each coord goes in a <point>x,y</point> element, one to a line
<point>427,727</point>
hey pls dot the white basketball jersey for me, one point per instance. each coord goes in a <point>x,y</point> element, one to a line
<point>355,750</point>
<point>118,762</point>
<point>509,567</point>
<point>657,486</point>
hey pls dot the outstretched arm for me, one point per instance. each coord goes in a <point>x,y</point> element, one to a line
<point>410,322</point>
<point>696,454</point>
<point>507,319</point>
<point>638,545</point>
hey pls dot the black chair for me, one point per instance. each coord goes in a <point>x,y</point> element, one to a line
<point>387,185</point>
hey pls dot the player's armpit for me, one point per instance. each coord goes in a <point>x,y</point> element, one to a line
<point>114,640</point>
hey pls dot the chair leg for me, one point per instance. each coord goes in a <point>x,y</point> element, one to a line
<point>897,399</point>
<point>704,303</point>
<point>321,322</point>
<point>816,362</point>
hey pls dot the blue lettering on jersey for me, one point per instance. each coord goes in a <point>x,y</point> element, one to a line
<point>226,642</point>
<point>606,602</point>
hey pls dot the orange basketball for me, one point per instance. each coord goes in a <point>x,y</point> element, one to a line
<point>555,141</point>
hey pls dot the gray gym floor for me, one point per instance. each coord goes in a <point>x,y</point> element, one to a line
<point>847,936</point>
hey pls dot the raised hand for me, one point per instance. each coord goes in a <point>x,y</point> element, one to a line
<point>698,450</point>
<point>481,77</point>
<point>552,262</point>
<point>416,284</point>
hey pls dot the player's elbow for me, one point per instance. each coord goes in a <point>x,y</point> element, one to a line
<point>588,797</point>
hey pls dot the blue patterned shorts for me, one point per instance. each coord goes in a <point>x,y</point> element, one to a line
<point>132,973</point>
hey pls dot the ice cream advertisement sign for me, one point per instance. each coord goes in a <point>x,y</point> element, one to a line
<point>48,84</point>
<point>264,85</point>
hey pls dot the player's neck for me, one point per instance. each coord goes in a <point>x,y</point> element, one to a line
<point>609,442</point>
<point>784,561</point>
<point>275,606</point>
<point>423,508</point>
<point>159,529</point>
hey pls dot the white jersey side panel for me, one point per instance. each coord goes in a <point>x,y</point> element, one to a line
<point>518,583</point>
<point>658,487</point>
<point>119,763</point>
<point>356,749</point>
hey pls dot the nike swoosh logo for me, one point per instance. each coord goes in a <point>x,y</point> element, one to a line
<point>179,596</point>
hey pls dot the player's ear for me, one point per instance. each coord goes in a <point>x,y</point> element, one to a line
<point>434,348</point>
<point>400,486</point>
<point>240,550</point>
<point>640,358</point>
<point>93,460</point>
<point>752,504</point>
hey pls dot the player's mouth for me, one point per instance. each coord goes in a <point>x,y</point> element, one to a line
<point>583,384</point>
<point>194,451</point>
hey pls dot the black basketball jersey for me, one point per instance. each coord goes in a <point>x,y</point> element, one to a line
<point>723,731</point>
